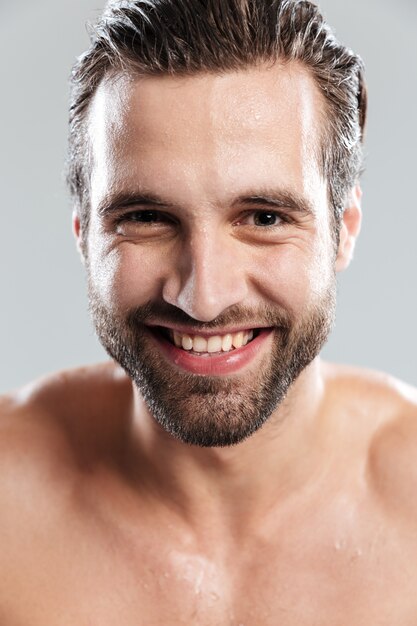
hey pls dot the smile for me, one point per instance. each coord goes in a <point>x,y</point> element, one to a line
<point>214,355</point>
<point>209,345</point>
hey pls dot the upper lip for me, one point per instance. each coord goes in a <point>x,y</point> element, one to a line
<point>196,332</point>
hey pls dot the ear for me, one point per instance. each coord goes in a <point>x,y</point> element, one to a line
<point>351,225</point>
<point>76,229</point>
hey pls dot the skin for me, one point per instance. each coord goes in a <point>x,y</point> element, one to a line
<point>106,518</point>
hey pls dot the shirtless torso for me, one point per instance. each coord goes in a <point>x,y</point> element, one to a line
<point>88,540</point>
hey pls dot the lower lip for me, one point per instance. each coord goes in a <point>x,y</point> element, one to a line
<point>213,364</point>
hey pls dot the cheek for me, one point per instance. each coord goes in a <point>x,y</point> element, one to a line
<point>296,274</point>
<point>126,276</point>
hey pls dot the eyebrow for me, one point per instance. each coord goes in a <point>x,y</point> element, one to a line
<point>121,199</point>
<point>283,199</point>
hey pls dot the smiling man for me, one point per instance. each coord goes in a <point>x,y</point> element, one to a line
<point>211,277</point>
<point>215,471</point>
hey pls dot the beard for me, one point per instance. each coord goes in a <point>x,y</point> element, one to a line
<point>213,411</point>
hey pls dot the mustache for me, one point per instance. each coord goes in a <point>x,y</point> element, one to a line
<point>164,313</point>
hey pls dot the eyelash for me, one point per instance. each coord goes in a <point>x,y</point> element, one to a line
<point>284,218</point>
<point>129,217</point>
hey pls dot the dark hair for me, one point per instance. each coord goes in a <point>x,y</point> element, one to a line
<point>189,36</point>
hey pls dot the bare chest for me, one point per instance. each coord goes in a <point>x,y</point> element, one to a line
<point>95,576</point>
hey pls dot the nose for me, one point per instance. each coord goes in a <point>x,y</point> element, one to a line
<point>208,277</point>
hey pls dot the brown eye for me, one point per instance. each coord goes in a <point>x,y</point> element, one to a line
<point>144,216</point>
<point>265,218</point>
<point>145,224</point>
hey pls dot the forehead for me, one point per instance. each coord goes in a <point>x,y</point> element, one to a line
<point>206,133</point>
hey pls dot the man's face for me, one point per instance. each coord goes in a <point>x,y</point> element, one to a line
<point>209,217</point>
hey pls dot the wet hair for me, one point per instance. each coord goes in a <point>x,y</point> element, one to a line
<point>185,37</point>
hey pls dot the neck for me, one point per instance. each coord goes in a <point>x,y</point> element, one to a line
<point>237,483</point>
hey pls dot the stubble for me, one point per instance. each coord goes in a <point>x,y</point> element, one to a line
<point>213,410</point>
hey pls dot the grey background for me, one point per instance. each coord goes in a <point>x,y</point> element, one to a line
<point>44,324</point>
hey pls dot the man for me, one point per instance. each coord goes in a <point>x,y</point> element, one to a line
<point>215,471</point>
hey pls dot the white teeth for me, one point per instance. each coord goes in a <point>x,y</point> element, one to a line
<point>237,340</point>
<point>200,344</point>
<point>215,343</point>
<point>227,343</point>
<point>187,342</point>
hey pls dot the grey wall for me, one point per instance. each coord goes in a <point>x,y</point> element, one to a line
<point>44,323</point>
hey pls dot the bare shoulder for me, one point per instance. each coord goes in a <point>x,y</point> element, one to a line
<point>59,393</point>
<point>53,434</point>
<point>41,459</point>
<point>372,389</point>
<point>34,461</point>
<point>42,424</point>
<point>393,453</point>
<point>388,408</point>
